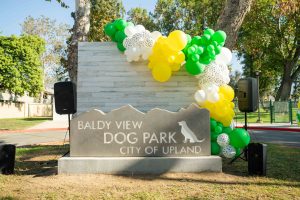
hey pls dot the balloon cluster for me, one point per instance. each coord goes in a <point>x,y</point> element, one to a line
<point>139,42</point>
<point>227,141</point>
<point>218,100</point>
<point>167,56</point>
<point>214,73</point>
<point>204,56</point>
<point>202,50</point>
<point>115,30</point>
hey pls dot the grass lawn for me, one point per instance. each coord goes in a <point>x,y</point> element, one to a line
<point>36,178</point>
<point>20,123</point>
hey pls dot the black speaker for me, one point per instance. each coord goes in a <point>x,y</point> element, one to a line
<point>7,158</point>
<point>247,94</point>
<point>65,97</point>
<point>257,159</point>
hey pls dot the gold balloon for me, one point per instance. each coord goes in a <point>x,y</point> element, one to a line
<point>161,73</point>
<point>227,91</point>
<point>177,40</point>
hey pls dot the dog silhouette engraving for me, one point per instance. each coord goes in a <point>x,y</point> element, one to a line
<point>188,134</point>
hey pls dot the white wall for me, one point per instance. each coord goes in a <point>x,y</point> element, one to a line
<point>107,81</point>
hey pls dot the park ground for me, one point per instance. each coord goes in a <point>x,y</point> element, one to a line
<point>36,178</point>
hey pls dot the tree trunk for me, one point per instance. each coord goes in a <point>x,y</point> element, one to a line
<point>232,18</point>
<point>80,32</point>
<point>284,90</point>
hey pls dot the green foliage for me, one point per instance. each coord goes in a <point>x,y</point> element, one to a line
<point>103,12</point>
<point>62,3</point>
<point>268,41</point>
<point>20,64</point>
<point>186,15</point>
<point>55,35</point>
<point>142,16</point>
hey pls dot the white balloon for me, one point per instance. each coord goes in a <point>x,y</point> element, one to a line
<point>223,140</point>
<point>146,51</point>
<point>213,97</point>
<point>200,96</point>
<point>130,31</point>
<point>224,57</point>
<point>229,151</point>
<point>139,28</point>
<point>155,35</point>
<point>214,73</point>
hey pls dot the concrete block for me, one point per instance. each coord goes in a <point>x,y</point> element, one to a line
<point>138,165</point>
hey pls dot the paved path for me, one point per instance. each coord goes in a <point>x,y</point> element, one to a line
<point>276,137</point>
<point>20,139</point>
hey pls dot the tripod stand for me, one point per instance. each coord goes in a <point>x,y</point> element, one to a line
<point>244,154</point>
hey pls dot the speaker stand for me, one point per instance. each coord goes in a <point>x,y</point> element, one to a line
<point>69,130</point>
<point>245,126</point>
<point>245,150</point>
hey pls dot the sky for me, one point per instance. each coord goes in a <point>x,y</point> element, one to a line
<point>14,12</point>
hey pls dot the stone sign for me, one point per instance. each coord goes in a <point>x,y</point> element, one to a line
<point>127,132</point>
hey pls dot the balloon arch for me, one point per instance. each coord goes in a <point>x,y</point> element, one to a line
<point>204,57</point>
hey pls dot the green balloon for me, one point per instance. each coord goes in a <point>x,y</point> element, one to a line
<point>110,29</point>
<point>189,38</point>
<point>218,129</point>
<point>204,60</point>
<point>218,50</point>
<point>205,40</point>
<point>210,48</point>
<point>196,40</point>
<point>238,152</point>
<point>239,138</point>
<point>227,130</point>
<point>213,124</point>
<point>212,54</point>
<point>199,50</point>
<point>209,31</point>
<point>120,46</point>
<point>113,38</point>
<point>194,68</point>
<point>120,24</point>
<point>214,136</point>
<point>120,36</point>
<point>195,57</point>
<point>219,36</point>
<point>215,148</point>
<point>191,50</point>
<point>220,124</point>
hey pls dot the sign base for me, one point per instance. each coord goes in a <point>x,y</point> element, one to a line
<point>138,165</point>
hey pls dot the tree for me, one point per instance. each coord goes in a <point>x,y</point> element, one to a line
<point>55,36</point>
<point>62,3</point>
<point>232,18</point>
<point>20,64</point>
<point>103,12</point>
<point>141,16</point>
<point>270,39</point>
<point>79,32</point>
<point>189,16</point>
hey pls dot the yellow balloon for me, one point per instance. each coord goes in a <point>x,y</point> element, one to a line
<point>161,73</point>
<point>227,91</point>
<point>177,40</point>
<point>175,67</point>
<point>179,58</point>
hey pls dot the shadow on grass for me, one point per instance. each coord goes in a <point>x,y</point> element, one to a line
<point>37,119</point>
<point>282,166</point>
<point>38,160</point>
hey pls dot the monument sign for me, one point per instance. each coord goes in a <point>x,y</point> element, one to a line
<point>130,133</point>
